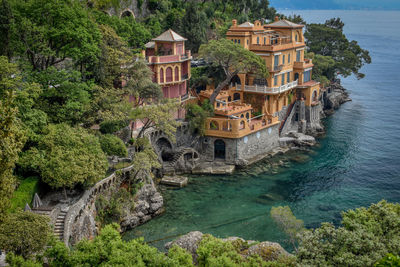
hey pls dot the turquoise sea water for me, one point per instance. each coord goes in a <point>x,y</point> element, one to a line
<point>357,163</point>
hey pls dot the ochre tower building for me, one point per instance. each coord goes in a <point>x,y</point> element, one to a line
<point>253,112</point>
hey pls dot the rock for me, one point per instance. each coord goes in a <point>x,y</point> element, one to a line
<point>177,181</point>
<point>155,206</point>
<point>269,251</point>
<point>190,242</point>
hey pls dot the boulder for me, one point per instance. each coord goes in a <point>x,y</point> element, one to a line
<point>269,251</point>
<point>189,242</point>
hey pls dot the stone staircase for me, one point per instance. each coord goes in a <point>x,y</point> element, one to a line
<point>289,111</point>
<point>59,225</point>
<point>169,166</point>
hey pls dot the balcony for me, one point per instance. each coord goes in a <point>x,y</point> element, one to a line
<point>307,63</point>
<point>232,108</point>
<point>169,58</point>
<point>275,47</point>
<point>267,90</point>
<point>237,128</point>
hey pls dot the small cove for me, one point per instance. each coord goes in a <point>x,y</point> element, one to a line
<point>355,164</point>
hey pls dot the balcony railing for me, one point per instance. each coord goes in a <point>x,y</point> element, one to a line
<point>267,90</point>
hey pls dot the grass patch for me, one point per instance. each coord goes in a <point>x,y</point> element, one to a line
<point>24,193</point>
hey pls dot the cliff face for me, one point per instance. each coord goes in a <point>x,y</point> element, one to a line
<point>135,8</point>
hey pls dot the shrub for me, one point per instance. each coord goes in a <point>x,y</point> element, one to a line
<point>113,146</point>
<point>24,193</point>
<point>389,260</point>
<point>109,127</point>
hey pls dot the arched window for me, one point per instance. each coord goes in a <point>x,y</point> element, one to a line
<point>241,126</point>
<point>247,115</point>
<point>168,74</point>
<point>314,96</point>
<point>219,149</point>
<point>176,74</point>
<point>161,75</point>
<point>235,80</point>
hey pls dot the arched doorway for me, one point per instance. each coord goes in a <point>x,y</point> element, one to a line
<point>219,149</point>
<point>127,13</point>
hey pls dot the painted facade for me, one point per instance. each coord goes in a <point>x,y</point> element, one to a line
<point>170,63</point>
<point>251,104</point>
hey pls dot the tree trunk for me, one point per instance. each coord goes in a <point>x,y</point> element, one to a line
<point>221,86</point>
<point>65,193</point>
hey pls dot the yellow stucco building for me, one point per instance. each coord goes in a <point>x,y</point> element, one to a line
<point>251,104</point>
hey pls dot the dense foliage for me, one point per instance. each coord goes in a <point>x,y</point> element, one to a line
<point>336,54</point>
<point>113,146</point>
<point>25,233</point>
<point>11,134</point>
<point>66,156</point>
<point>366,235</point>
<point>197,115</point>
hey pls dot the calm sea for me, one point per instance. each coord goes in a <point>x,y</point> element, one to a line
<point>357,163</point>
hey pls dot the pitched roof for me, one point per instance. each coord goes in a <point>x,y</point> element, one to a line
<point>246,24</point>
<point>150,44</point>
<point>284,24</point>
<point>169,36</point>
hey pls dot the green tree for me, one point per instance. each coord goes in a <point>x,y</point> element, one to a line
<point>328,39</point>
<point>234,59</point>
<point>65,97</point>
<point>159,116</point>
<point>66,156</point>
<point>197,115</point>
<point>290,225</point>
<point>50,31</point>
<point>5,28</point>
<point>112,145</point>
<point>12,138</point>
<point>145,159</point>
<point>140,83</point>
<point>25,233</point>
<point>108,249</point>
<point>195,26</point>
<point>366,236</point>
<point>323,67</point>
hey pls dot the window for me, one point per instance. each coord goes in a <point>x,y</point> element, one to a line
<point>298,55</point>
<point>283,59</point>
<point>265,40</point>
<point>295,37</point>
<point>258,40</point>
<point>288,58</point>
<point>275,80</point>
<point>276,60</point>
<point>235,41</point>
<point>247,41</point>
<point>283,79</point>
<point>161,75</point>
<point>288,77</point>
<point>239,41</point>
<point>307,76</point>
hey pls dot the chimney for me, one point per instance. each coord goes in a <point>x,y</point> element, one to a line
<point>234,23</point>
<point>276,18</point>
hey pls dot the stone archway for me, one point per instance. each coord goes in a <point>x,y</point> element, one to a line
<point>127,13</point>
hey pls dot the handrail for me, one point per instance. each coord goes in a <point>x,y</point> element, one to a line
<point>267,90</point>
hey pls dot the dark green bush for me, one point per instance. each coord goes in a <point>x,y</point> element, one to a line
<point>109,127</point>
<point>113,146</point>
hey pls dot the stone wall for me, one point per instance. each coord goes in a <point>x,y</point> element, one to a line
<point>130,6</point>
<point>80,219</point>
<point>245,150</point>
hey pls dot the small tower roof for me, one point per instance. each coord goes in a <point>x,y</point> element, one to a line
<point>169,36</point>
<point>246,24</point>
<point>284,24</point>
